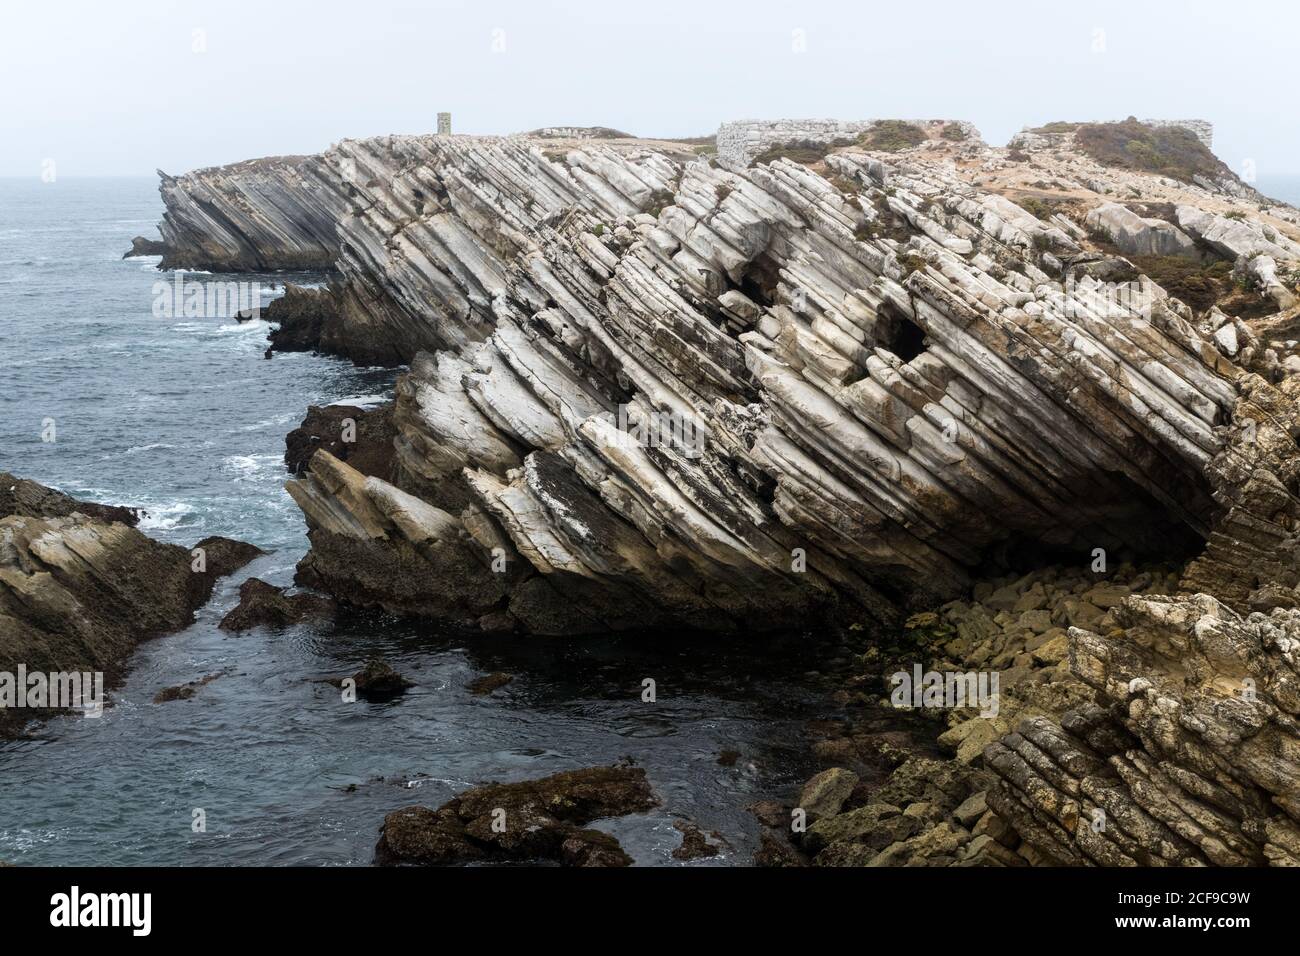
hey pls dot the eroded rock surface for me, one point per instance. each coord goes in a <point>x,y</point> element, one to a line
<point>265,605</point>
<point>1190,756</point>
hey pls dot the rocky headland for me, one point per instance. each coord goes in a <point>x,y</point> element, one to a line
<point>865,375</point>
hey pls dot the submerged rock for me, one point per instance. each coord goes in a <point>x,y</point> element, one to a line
<point>183,691</point>
<point>489,682</point>
<point>695,843</point>
<point>378,681</point>
<point>532,820</point>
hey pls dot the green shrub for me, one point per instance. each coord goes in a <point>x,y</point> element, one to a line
<point>802,151</point>
<point>890,136</point>
<point>911,262</point>
<point>1056,127</point>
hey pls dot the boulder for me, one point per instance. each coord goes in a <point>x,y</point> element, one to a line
<point>824,794</point>
<point>265,605</point>
<point>1135,235</point>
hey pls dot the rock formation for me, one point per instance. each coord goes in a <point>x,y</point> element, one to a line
<point>264,605</point>
<point>872,384</point>
<point>648,390</point>
<point>255,216</point>
<point>78,589</point>
<point>1192,755</point>
<point>531,820</point>
<point>19,496</point>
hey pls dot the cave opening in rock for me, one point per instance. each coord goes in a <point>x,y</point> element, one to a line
<point>1128,523</point>
<point>900,335</point>
<point>760,279</point>
<point>908,340</point>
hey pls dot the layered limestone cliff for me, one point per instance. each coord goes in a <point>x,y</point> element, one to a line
<point>647,389</point>
<point>256,216</point>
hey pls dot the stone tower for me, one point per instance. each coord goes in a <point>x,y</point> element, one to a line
<point>444,124</point>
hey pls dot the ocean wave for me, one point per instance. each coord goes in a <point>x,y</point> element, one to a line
<point>252,325</point>
<point>255,467</point>
<point>139,448</point>
<point>164,517</point>
<point>271,422</point>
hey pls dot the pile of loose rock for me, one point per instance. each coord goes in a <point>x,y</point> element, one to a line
<point>920,795</point>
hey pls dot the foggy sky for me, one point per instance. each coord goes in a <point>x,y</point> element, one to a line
<point>122,88</point>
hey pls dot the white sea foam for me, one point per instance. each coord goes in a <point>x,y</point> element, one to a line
<point>252,325</point>
<point>163,517</point>
<point>254,467</point>
<point>363,401</point>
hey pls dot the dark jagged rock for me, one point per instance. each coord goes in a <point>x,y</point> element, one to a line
<point>592,848</point>
<point>774,851</point>
<point>19,496</point>
<point>696,844</point>
<point>533,820</point>
<point>140,246</point>
<point>306,319</point>
<point>326,427</point>
<point>378,681</point>
<point>262,604</point>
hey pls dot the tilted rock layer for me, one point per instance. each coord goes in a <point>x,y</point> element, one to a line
<point>857,387</point>
<point>78,589</point>
<point>1193,757</point>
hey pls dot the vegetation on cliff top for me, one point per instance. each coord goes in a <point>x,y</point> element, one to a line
<point>1165,150</point>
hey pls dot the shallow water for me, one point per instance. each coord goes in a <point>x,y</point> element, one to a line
<point>185,418</point>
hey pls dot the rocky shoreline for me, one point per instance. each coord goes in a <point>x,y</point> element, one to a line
<point>80,587</point>
<point>902,382</point>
